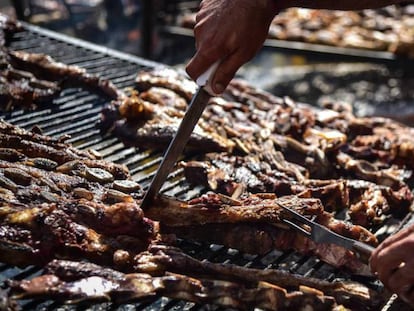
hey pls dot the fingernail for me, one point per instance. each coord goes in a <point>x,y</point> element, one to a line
<point>218,88</point>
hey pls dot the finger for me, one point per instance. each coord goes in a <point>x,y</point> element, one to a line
<point>227,70</point>
<point>401,281</point>
<point>206,52</point>
<point>374,261</point>
<point>199,64</point>
<point>392,256</point>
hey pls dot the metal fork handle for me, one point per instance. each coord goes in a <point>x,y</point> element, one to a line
<point>363,251</point>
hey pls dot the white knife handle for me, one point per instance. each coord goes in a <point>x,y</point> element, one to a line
<point>204,80</point>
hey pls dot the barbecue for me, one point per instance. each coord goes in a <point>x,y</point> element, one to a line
<point>102,188</point>
<point>45,67</point>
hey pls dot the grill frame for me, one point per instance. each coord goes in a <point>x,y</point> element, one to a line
<point>58,119</point>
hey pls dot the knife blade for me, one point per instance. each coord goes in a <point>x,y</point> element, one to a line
<point>186,127</point>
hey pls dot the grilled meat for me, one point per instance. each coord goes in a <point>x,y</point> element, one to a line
<point>166,78</point>
<point>58,201</point>
<point>8,26</point>
<point>22,89</point>
<point>28,80</point>
<point>151,119</point>
<point>161,258</point>
<point>383,29</point>
<point>72,281</point>
<point>45,67</point>
<point>382,140</point>
<point>275,145</point>
<point>18,144</point>
<point>367,203</point>
<point>254,224</point>
<point>78,229</point>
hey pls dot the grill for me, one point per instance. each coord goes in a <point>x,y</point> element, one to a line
<point>76,112</point>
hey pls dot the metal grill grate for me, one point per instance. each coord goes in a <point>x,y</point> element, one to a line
<point>76,112</point>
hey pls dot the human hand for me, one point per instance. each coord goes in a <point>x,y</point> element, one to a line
<point>393,263</point>
<point>229,31</point>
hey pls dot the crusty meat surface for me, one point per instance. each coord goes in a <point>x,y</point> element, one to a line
<point>22,89</point>
<point>58,201</point>
<point>150,120</point>
<point>166,78</point>
<point>264,143</point>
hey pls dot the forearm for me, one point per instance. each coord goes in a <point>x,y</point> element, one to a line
<point>336,5</point>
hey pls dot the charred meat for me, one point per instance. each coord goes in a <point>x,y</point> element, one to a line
<point>254,224</point>
<point>22,89</point>
<point>72,281</point>
<point>8,26</point>
<point>150,119</point>
<point>58,201</point>
<point>256,142</point>
<point>45,67</point>
<point>28,80</point>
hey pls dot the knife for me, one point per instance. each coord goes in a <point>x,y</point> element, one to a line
<point>186,127</point>
<point>321,234</point>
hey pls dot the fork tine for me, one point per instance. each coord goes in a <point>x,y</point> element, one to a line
<point>297,228</point>
<point>321,234</point>
<point>296,215</point>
